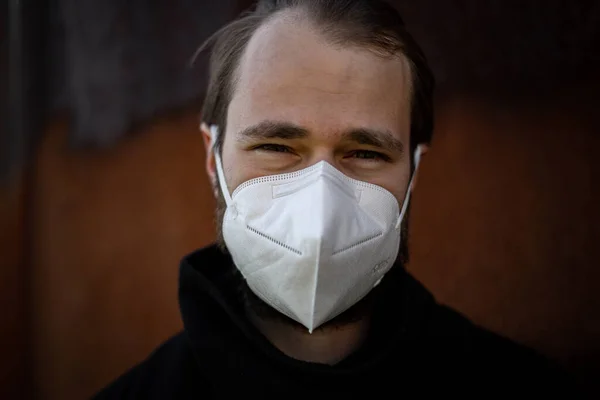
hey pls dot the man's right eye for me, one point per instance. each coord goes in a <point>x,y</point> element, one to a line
<point>279,148</point>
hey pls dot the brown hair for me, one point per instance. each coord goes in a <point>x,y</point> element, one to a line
<point>372,24</point>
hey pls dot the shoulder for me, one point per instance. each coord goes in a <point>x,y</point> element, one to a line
<point>496,360</point>
<point>169,372</point>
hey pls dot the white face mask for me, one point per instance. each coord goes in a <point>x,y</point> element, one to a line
<point>314,242</point>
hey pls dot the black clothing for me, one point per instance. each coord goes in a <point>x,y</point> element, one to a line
<point>416,347</point>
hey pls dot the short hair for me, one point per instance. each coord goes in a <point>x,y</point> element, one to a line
<point>370,24</point>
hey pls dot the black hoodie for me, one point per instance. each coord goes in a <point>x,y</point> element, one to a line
<point>416,348</point>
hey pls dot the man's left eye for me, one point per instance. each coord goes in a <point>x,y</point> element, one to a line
<point>369,155</point>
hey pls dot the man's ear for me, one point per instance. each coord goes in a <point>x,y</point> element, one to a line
<point>424,148</point>
<point>210,165</point>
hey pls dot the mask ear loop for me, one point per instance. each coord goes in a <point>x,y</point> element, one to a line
<point>214,133</point>
<point>417,156</point>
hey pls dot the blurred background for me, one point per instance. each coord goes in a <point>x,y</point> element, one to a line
<point>102,186</point>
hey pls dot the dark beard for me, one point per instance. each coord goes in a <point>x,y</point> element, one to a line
<point>254,305</point>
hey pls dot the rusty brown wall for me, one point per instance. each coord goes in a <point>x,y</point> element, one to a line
<point>13,297</point>
<point>502,229</point>
<point>110,229</point>
<point>506,222</point>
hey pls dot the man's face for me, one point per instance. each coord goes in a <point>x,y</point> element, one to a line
<point>299,100</point>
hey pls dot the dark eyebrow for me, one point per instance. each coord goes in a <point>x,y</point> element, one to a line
<point>285,130</point>
<point>273,130</point>
<point>375,138</point>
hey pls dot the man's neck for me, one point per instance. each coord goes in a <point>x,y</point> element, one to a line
<point>329,344</point>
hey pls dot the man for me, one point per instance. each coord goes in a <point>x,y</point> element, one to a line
<point>316,115</point>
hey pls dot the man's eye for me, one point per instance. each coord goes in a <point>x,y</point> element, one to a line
<point>279,148</point>
<point>369,155</point>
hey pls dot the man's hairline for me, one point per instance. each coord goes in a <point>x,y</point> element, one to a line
<point>320,30</point>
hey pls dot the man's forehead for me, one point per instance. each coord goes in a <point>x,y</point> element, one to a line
<point>290,44</point>
<point>290,72</point>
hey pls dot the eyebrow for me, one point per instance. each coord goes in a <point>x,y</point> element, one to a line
<point>288,131</point>
<point>375,138</point>
<point>273,130</point>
